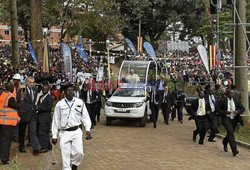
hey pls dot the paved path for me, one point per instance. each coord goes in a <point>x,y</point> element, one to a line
<point>126,146</point>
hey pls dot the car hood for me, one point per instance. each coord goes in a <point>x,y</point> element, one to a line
<point>126,99</point>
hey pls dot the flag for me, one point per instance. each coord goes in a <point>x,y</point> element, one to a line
<point>67,61</point>
<point>203,54</point>
<point>131,45</point>
<point>45,57</point>
<point>32,53</point>
<point>150,50</point>
<point>80,50</point>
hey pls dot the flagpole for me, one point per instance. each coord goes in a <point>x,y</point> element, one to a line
<point>107,44</point>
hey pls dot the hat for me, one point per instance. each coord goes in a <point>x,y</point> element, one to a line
<point>66,86</point>
<point>17,77</point>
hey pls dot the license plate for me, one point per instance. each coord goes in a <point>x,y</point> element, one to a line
<point>122,111</point>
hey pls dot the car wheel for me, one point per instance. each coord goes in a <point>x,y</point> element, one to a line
<point>108,121</point>
<point>143,120</point>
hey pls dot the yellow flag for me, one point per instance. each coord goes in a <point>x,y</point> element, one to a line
<point>45,57</point>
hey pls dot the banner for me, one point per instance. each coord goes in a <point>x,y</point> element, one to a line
<point>45,65</point>
<point>218,56</point>
<point>131,45</point>
<point>80,50</point>
<point>32,53</point>
<point>203,54</point>
<point>150,50</point>
<point>67,61</point>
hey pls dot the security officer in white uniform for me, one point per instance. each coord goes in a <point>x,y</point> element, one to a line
<point>70,113</point>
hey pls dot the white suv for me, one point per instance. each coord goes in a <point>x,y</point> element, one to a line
<point>128,103</point>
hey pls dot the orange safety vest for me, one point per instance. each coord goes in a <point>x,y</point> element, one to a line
<point>8,116</point>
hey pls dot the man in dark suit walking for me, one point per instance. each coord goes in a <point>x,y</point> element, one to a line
<point>230,109</point>
<point>89,97</point>
<point>200,109</point>
<point>44,106</point>
<point>179,104</point>
<point>165,104</point>
<point>27,113</point>
<point>154,99</point>
<point>209,96</point>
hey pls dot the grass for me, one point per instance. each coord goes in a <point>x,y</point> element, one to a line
<point>15,164</point>
<point>241,133</point>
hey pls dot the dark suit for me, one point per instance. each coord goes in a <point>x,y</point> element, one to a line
<point>180,101</point>
<point>213,118</point>
<point>90,104</point>
<point>201,122</point>
<point>98,105</point>
<point>44,121</point>
<point>27,113</point>
<point>165,103</point>
<point>228,123</point>
<point>154,106</point>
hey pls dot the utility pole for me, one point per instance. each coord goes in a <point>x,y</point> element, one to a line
<point>240,52</point>
<point>14,34</point>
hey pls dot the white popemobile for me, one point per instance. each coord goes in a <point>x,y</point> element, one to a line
<point>130,98</point>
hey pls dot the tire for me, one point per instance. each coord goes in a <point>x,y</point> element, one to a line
<point>143,120</point>
<point>108,121</point>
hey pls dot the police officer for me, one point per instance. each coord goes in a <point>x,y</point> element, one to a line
<point>70,113</point>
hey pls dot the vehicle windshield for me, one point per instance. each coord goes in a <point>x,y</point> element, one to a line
<point>129,92</point>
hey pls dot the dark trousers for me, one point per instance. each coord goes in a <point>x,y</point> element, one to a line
<point>179,109</point>
<point>155,111</point>
<point>202,126</point>
<point>213,126</point>
<point>98,110</point>
<point>6,133</point>
<point>173,113</point>
<point>92,112</point>
<point>43,133</point>
<point>165,111</point>
<point>32,133</point>
<point>230,125</point>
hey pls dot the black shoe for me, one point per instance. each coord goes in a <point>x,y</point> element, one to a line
<point>22,150</point>
<point>225,148</point>
<point>194,136</point>
<point>201,142</point>
<point>155,125</point>
<point>74,167</point>
<point>167,123</point>
<point>5,162</point>
<point>172,119</point>
<point>98,119</point>
<point>92,127</point>
<point>38,152</point>
<point>181,121</point>
<point>29,144</point>
<point>236,153</point>
<point>211,140</point>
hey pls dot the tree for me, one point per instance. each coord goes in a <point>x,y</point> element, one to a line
<point>240,53</point>
<point>14,34</point>
<point>36,27</point>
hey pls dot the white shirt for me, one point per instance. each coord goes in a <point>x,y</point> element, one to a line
<point>211,99</point>
<point>161,85</point>
<point>69,115</point>
<point>231,107</point>
<point>199,111</point>
<point>80,77</point>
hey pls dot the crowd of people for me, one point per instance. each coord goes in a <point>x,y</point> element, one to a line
<point>28,95</point>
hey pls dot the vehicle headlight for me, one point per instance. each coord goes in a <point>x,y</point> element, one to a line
<point>109,104</point>
<point>138,104</point>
